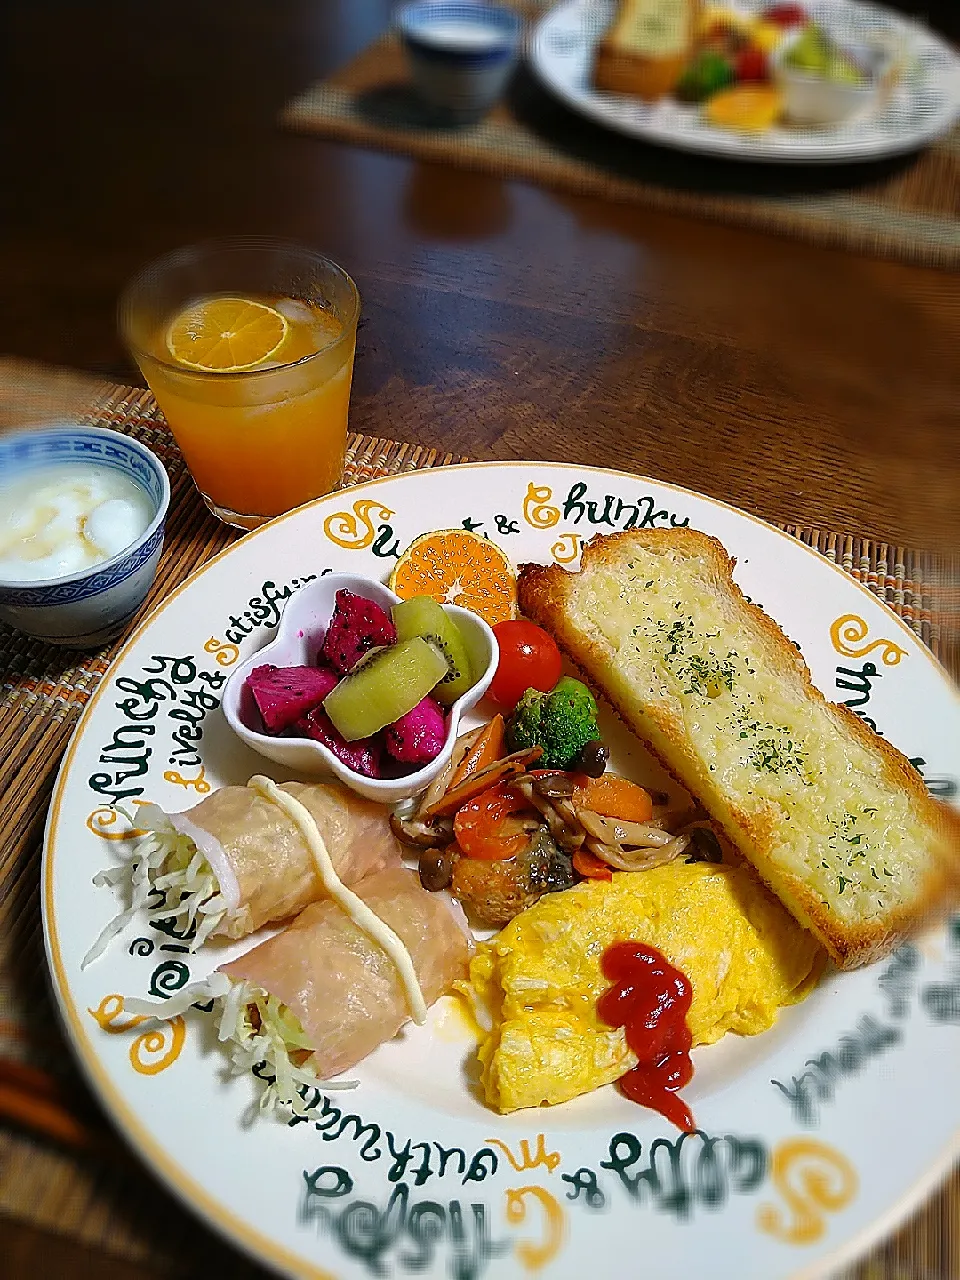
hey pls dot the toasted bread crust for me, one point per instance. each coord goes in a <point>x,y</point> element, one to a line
<point>620,68</point>
<point>544,595</point>
<point>617,70</point>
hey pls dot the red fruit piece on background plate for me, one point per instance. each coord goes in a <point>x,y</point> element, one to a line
<point>284,694</point>
<point>357,626</point>
<point>786,15</point>
<point>750,64</point>
<point>362,757</point>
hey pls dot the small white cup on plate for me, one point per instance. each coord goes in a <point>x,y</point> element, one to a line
<point>811,100</point>
<point>461,55</point>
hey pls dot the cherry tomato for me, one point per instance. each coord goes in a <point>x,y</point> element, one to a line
<point>487,827</point>
<point>529,659</point>
<point>786,15</point>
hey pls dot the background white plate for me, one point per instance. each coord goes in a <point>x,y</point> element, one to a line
<point>561,51</point>
<point>416,1176</point>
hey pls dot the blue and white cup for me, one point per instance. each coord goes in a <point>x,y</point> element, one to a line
<point>461,55</point>
<point>84,609</point>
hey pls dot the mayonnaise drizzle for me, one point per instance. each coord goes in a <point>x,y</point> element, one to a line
<point>355,907</point>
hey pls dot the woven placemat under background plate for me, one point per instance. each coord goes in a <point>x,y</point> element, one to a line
<point>907,208</point>
<point>108,1201</point>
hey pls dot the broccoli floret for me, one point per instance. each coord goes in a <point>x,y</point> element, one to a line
<point>523,727</point>
<point>569,722</point>
<point>561,721</point>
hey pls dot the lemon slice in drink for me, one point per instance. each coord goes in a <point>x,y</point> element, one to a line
<point>226,335</point>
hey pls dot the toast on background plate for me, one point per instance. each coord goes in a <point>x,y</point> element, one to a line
<point>834,819</point>
<point>646,47</point>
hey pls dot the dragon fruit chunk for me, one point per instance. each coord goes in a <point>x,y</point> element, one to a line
<point>284,694</point>
<point>357,626</point>
<point>417,737</point>
<point>362,757</point>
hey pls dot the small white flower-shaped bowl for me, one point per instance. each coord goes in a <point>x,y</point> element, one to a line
<point>297,643</point>
<point>812,101</point>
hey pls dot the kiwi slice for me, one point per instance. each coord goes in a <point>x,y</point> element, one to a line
<point>384,688</point>
<point>423,616</point>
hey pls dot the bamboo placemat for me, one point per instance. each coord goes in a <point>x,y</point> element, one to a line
<point>907,209</point>
<point>102,1197</point>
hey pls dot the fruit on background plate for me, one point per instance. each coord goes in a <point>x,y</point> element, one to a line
<point>707,74</point>
<point>746,108</point>
<point>457,566</point>
<point>750,65</point>
<point>785,15</point>
<point>817,54</point>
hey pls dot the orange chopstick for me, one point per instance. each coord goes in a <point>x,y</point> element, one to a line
<point>31,1111</point>
<point>33,1100</point>
<point>22,1076</point>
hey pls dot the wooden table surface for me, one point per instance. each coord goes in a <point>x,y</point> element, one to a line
<point>499,320</point>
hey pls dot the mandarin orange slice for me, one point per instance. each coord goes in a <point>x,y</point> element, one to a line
<point>746,108</point>
<point>226,335</point>
<point>455,566</point>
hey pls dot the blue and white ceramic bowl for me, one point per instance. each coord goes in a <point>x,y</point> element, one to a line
<point>82,610</point>
<point>460,55</point>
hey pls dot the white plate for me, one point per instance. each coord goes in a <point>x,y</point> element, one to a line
<point>410,1174</point>
<point>925,104</point>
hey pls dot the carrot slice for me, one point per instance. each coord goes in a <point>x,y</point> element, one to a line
<point>487,748</point>
<point>499,771</point>
<point>487,827</point>
<point>614,797</point>
<point>590,866</point>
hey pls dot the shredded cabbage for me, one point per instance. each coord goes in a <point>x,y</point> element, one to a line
<point>238,1007</point>
<point>170,865</point>
<point>477,1007</point>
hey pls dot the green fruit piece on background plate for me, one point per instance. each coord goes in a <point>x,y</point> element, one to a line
<point>811,52</point>
<point>843,70</point>
<point>707,74</point>
<point>423,616</point>
<point>385,687</point>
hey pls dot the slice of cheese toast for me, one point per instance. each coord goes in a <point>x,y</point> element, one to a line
<point>834,819</point>
<point>646,47</point>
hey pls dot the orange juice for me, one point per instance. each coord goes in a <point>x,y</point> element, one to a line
<point>261,415</point>
<point>248,345</point>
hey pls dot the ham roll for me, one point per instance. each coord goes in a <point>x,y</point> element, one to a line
<point>318,997</point>
<point>340,984</point>
<point>236,861</point>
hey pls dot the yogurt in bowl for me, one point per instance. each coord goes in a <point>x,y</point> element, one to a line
<point>67,519</point>
<point>460,55</point>
<point>81,527</point>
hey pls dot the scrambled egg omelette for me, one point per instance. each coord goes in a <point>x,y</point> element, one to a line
<point>534,987</point>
